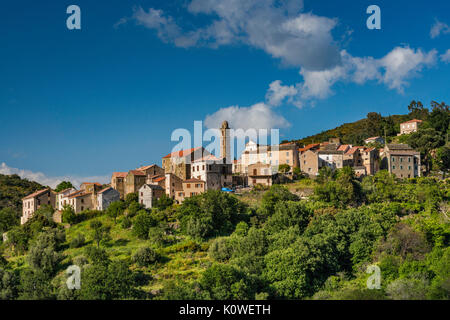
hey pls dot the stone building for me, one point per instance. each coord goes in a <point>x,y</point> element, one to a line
<point>105,197</point>
<point>118,182</point>
<point>410,126</point>
<point>191,187</point>
<point>310,162</point>
<point>34,201</point>
<point>62,198</point>
<point>402,160</point>
<point>134,180</point>
<point>334,159</point>
<point>260,173</point>
<point>149,194</point>
<point>370,160</point>
<point>81,201</point>
<point>152,170</point>
<point>179,162</point>
<point>215,172</point>
<point>173,184</point>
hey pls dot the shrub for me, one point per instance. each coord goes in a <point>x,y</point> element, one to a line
<point>78,241</point>
<point>145,257</point>
<point>142,224</point>
<point>126,222</point>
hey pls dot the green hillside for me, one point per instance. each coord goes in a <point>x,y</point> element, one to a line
<point>13,189</point>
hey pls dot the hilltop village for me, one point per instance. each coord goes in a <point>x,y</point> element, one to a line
<point>187,173</point>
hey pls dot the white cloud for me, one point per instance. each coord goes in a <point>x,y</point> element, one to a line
<point>394,70</point>
<point>438,28</point>
<point>277,27</point>
<point>257,116</point>
<point>403,63</point>
<point>50,181</point>
<point>446,56</point>
<point>277,93</point>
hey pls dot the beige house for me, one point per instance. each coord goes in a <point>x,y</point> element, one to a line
<point>81,201</point>
<point>334,159</point>
<point>402,160</point>
<point>152,170</point>
<point>118,182</point>
<point>134,180</point>
<point>260,173</point>
<point>173,185</point>
<point>191,187</point>
<point>310,163</point>
<point>370,160</point>
<point>410,126</point>
<point>34,201</point>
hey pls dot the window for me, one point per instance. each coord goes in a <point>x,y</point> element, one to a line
<point>401,159</point>
<point>188,185</point>
<point>203,167</point>
<point>82,208</point>
<point>82,200</point>
<point>193,168</point>
<point>287,154</point>
<point>409,159</point>
<point>142,194</point>
<point>409,168</point>
<point>401,167</point>
<point>393,167</point>
<point>393,159</point>
<point>255,172</point>
<point>287,161</point>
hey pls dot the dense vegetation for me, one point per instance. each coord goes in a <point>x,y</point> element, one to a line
<point>220,246</point>
<point>309,239</point>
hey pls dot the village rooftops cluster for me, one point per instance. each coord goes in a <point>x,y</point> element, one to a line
<point>186,173</point>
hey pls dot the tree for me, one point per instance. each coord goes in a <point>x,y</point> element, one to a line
<point>439,117</point>
<point>130,198</point>
<point>68,215</point>
<point>284,168</point>
<point>374,124</point>
<point>8,219</point>
<point>115,209</point>
<point>425,140</point>
<point>63,186</point>
<point>275,194</point>
<point>43,255</point>
<point>443,159</point>
<point>142,224</point>
<point>417,111</point>
<point>100,232</point>
<point>164,202</point>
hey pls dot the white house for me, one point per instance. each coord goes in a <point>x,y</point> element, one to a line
<point>62,198</point>
<point>106,196</point>
<point>149,193</point>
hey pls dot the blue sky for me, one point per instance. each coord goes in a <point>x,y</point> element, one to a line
<point>81,104</point>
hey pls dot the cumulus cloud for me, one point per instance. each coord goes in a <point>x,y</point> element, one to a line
<point>50,181</point>
<point>438,28</point>
<point>393,70</point>
<point>257,116</point>
<point>277,93</point>
<point>277,27</point>
<point>446,56</point>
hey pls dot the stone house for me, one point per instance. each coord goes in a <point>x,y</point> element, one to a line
<point>173,185</point>
<point>410,126</point>
<point>310,162</point>
<point>352,157</point>
<point>106,196</point>
<point>215,172</point>
<point>134,180</point>
<point>149,193</point>
<point>360,171</point>
<point>34,201</point>
<point>402,161</point>
<point>370,160</point>
<point>152,170</point>
<point>118,182</point>
<point>260,173</point>
<point>333,159</point>
<point>81,201</point>
<point>191,187</point>
<point>179,162</point>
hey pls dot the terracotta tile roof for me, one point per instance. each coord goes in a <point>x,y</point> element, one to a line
<point>120,174</point>
<point>159,179</point>
<point>309,146</point>
<point>181,153</point>
<point>145,167</point>
<point>352,150</point>
<point>74,193</point>
<point>194,180</point>
<point>411,121</point>
<point>37,193</point>
<point>210,157</point>
<point>103,190</point>
<point>96,183</point>
<point>343,147</point>
<point>373,138</point>
<point>137,173</point>
<point>80,195</point>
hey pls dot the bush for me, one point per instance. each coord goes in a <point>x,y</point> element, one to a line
<point>145,257</point>
<point>68,215</point>
<point>78,241</point>
<point>126,222</point>
<point>142,224</point>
